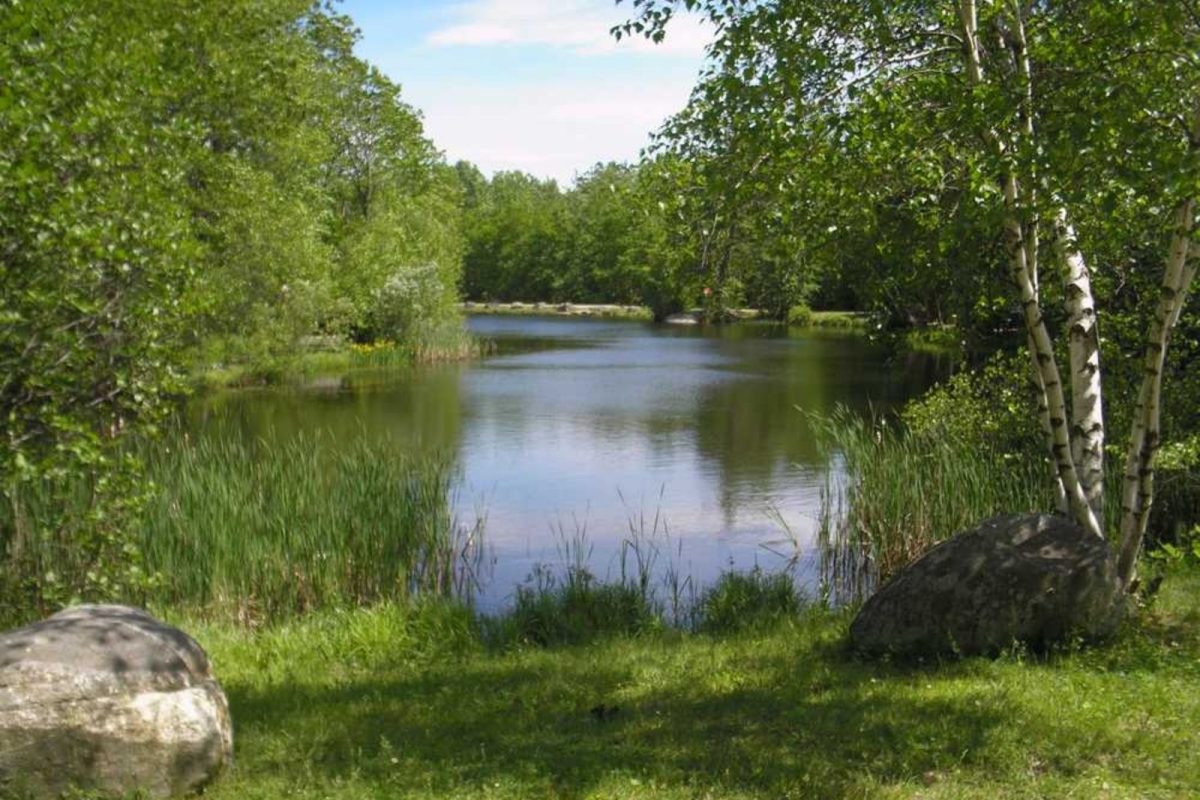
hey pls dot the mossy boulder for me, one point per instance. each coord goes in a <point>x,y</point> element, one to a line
<point>1034,579</point>
<point>108,698</point>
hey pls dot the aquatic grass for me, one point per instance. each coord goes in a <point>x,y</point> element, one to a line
<point>265,530</point>
<point>449,341</point>
<point>901,493</point>
<point>644,590</point>
<point>575,609</point>
<point>741,601</point>
<point>565,603</point>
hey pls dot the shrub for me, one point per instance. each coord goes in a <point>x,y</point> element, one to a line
<point>410,298</point>
<point>747,600</point>
<point>800,315</point>
<point>579,610</point>
<point>992,408</point>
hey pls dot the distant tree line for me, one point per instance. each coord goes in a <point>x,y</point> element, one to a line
<point>640,234</point>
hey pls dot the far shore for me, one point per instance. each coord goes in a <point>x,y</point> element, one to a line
<point>831,319</point>
<point>606,310</point>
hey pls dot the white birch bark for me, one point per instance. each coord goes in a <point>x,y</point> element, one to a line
<point>1032,235</point>
<point>1137,491</point>
<point>1083,341</point>
<point>1060,493</point>
<point>1024,276</point>
<point>1047,367</point>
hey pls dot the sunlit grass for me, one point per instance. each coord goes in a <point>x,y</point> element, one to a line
<point>839,319</point>
<point>403,701</point>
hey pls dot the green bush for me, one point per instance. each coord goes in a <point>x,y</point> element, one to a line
<point>747,600</point>
<point>1176,506</point>
<point>992,408</point>
<point>410,299</point>
<point>800,315</point>
<point>580,609</point>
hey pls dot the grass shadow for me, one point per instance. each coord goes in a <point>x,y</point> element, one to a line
<point>584,720</point>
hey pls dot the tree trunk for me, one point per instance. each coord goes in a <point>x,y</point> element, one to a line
<point>1060,493</point>
<point>1024,275</point>
<point>1087,407</point>
<point>1137,493</point>
<point>1046,367</point>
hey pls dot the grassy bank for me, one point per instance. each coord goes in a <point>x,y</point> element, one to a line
<point>407,701</point>
<point>332,355</point>
<point>816,319</point>
<point>935,339</point>
<point>851,320</point>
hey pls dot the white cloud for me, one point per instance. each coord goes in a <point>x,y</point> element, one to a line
<point>581,26</point>
<point>533,85</point>
<point>554,130</point>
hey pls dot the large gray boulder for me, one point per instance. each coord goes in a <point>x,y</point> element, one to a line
<point>108,698</point>
<point>1031,578</point>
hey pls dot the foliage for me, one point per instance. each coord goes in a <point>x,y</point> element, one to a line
<point>1177,498</point>
<point>740,601</point>
<point>1186,548</point>
<point>406,302</point>
<point>95,255</point>
<point>620,235</point>
<point>992,407</point>
<point>181,185</point>
<point>945,146</point>
<point>800,315</point>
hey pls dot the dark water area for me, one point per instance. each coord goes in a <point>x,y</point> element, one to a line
<point>578,434</point>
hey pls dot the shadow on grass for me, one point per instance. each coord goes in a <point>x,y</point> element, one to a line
<point>686,717</point>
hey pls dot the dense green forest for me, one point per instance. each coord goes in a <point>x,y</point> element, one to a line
<point>627,234</point>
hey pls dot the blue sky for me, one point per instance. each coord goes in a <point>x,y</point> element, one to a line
<point>532,85</point>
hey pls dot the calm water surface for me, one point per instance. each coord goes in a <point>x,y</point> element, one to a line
<point>582,430</point>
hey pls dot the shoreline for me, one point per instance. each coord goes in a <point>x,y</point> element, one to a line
<point>517,308</point>
<point>818,319</point>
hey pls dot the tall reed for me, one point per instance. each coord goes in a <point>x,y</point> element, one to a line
<point>271,529</point>
<point>892,495</point>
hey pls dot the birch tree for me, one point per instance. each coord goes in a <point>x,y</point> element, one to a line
<point>1051,109</point>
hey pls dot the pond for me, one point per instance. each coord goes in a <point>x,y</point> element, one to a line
<point>578,436</point>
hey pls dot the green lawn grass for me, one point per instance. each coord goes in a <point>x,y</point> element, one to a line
<point>406,702</point>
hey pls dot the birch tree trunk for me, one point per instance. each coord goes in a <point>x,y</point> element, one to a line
<point>1047,369</point>
<point>1087,406</point>
<point>1015,40</point>
<point>1024,274</point>
<point>1137,492</point>
<point>1060,493</point>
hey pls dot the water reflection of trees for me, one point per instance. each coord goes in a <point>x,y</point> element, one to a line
<point>419,415</point>
<point>753,426</point>
<point>739,411</point>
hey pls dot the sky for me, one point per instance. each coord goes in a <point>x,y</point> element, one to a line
<point>533,85</point>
